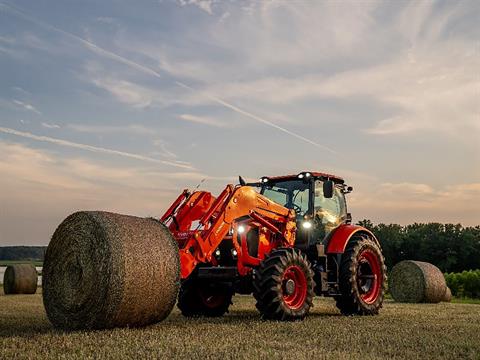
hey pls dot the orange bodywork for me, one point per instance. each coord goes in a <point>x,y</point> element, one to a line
<point>200,222</point>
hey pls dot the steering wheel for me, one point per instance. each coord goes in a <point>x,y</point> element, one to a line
<point>297,209</point>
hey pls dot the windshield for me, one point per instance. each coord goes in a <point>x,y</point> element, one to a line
<point>293,194</point>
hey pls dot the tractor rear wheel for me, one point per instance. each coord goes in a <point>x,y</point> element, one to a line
<point>362,278</point>
<point>204,299</point>
<point>283,285</point>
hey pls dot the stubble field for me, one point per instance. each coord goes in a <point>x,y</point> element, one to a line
<point>401,331</point>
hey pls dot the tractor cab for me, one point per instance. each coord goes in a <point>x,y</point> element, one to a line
<point>317,198</point>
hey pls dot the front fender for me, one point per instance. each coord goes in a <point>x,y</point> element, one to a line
<point>338,239</point>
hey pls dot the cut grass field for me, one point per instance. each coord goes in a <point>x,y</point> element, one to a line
<point>401,331</point>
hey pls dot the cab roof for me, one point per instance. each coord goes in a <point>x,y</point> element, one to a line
<point>315,174</point>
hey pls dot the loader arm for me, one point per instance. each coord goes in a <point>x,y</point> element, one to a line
<point>219,216</point>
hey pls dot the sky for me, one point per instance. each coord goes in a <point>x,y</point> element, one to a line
<point>119,105</point>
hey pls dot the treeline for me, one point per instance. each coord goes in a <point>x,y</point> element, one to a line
<point>22,252</point>
<point>452,248</point>
<point>464,284</point>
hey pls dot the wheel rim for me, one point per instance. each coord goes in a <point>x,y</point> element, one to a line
<point>369,276</point>
<point>294,287</point>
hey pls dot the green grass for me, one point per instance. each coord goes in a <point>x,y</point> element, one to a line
<point>465,301</point>
<point>13,262</point>
<point>401,331</point>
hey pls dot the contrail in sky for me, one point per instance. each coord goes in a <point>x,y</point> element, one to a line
<point>90,147</point>
<point>255,117</point>
<point>99,50</point>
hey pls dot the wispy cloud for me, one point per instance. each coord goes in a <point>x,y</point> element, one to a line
<point>50,125</point>
<point>127,95</point>
<point>417,202</point>
<point>205,5</point>
<point>27,106</point>
<point>91,148</point>
<point>7,39</point>
<point>21,90</point>
<point>205,120</point>
<point>164,151</point>
<point>108,129</point>
<point>257,118</point>
<point>125,91</point>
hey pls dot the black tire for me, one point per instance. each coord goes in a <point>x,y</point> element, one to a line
<point>362,278</point>
<point>204,299</point>
<point>283,285</point>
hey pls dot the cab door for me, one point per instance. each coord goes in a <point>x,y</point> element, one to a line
<point>328,213</point>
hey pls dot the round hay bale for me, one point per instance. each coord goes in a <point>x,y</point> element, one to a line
<point>105,270</point>
<point>447,297</point>
<point>416,282</point>
<point>20,279</point>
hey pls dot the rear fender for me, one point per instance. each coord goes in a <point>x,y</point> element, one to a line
<point>339,238</point>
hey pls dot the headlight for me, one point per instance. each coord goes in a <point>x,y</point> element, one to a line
<point>307,225</point>
<point>241,229</point>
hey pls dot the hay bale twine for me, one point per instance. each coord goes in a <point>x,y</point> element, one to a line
<point>416,282</point>
<point>20,279</point>
<point>447,297</point>
<point>105,270</point>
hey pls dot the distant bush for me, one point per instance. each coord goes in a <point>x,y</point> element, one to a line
<point>22,253</point>
<point>464,284</point>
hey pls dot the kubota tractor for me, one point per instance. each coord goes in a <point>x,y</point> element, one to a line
<point>285,239</point>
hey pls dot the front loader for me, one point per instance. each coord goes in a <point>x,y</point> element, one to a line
<point>283,239</point>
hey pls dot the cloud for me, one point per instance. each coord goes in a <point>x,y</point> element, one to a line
<point>7,40</point>
<point>42,187</point>
<point>164,151</point>
<point>27,106</point>
<point>416,66</point>
<point>107,129</point>
<point>50,126</point>
<point>416,202</point>
<point>202,120</point>
<point>125,91</point>
<point>205,5</point>
<point>91,148</point>
<point>257,118</point>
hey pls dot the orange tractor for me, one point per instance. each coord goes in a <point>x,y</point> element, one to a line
<point>285,239</point>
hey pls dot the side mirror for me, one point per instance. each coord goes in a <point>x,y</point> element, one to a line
<point>328,186</point>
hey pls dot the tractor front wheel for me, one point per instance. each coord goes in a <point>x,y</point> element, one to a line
<point>362,278</point>
<point>204,299</point>
<point>283,285</point>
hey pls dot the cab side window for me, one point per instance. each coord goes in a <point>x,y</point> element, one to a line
<point>330,212</point>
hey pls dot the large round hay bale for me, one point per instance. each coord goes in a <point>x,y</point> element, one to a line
<point>416,282</point>
<point>20,279</point>
<point>447,297</point>
<point>105,270</point>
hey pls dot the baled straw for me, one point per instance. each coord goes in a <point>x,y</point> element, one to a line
<point>416,282</point>
<point>105,270</point>
<point>20,279</point>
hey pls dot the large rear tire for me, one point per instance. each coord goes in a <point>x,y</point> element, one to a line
<point>204,299</point>
<point>362,278</point>
<point>283,285</point>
